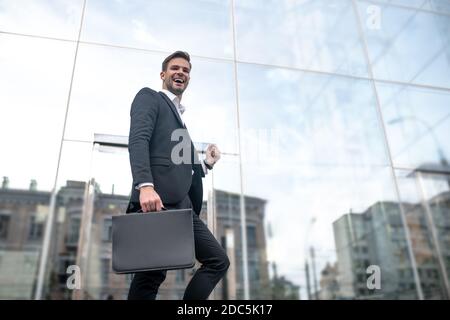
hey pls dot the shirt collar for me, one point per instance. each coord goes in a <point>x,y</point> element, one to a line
<point>181,108</point>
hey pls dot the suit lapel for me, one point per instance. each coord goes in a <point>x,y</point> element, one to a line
<point>173,108</point>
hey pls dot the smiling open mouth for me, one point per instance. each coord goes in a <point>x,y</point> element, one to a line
<point>178,80</point>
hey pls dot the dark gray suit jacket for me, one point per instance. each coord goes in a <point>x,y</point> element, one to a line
<point>153,120</point>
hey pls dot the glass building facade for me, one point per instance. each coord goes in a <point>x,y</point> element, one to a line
<point>332,116</point>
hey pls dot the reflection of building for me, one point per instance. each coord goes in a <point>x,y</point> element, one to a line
<point>65,237</point>
<point>22,217</point>
<point>430,275</point>
<point>102,283</point>
<point>351,247</point>
<point>377,237</point>
<point>228,222</point>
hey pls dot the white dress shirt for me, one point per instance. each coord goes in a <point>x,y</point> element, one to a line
<point>176,101</point>
<point>181,109</point>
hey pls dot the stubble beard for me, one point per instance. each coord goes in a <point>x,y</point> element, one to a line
<point>175,91</point>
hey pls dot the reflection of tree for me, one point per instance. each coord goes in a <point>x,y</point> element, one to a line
<point>282,289</point>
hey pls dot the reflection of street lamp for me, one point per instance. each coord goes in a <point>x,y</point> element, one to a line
<point>442,158</point>
<point>308,285</point>
<point>305,254</point>
<point>313,265</point>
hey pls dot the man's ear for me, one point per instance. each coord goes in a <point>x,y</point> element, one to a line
<point>162,75</point>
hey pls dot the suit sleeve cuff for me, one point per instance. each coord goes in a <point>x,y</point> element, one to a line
<point>209,167</point>
<point>144,184</point>
<point>205,169</point>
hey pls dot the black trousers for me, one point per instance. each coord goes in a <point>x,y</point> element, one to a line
<point>211,255</point>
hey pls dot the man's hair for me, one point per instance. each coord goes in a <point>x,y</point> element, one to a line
<point>176,54</point>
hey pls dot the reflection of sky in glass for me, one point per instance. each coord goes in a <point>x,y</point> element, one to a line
<point>319,35</point>
<point>438,5</point>
<point>103,163</point>
<point>34,82</point>
<point>320,119</point>
<point>417,120</point>
<point>410,46</point>
<point>75,162</point>
<point>50,18</point>
<point>106,81</point>
<point>200,27</point>
<point>225,175</point>
<point>108,166</point>
<point>331,161</point>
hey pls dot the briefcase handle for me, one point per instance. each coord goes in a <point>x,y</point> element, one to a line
<point>162,208</point>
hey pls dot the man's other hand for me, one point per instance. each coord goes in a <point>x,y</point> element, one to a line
<point>149,199</point>
<point>212,155</point>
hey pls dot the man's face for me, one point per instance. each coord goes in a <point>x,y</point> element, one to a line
<point>176,77</point>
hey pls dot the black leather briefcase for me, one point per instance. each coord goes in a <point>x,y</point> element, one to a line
<point>153,241</point>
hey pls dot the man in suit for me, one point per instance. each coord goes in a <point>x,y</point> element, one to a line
<point>167,173</point>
